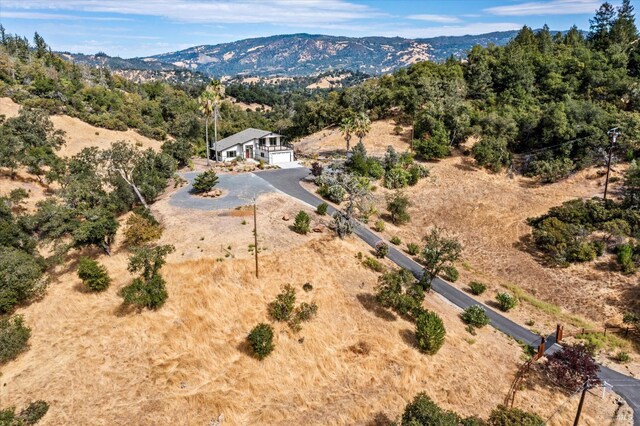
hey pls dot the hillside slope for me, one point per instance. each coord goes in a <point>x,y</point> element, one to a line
<point>81,135</point>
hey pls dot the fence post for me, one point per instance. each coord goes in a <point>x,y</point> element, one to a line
<point>541,348</point>
<point>559,332</point>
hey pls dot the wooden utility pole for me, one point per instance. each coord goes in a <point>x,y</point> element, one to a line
<point>613,134</point>
<point>255,234</point>
<point>584,393</point>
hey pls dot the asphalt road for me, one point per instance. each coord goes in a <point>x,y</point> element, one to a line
<point>288,181</point>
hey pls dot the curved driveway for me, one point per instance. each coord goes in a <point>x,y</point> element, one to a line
<point>240,190</point>
<point>288,181</point>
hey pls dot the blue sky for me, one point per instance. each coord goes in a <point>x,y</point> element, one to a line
<point>130,28</point>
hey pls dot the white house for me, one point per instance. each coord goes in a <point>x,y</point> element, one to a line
<point>257,144</point>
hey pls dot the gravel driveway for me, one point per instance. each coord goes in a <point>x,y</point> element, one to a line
<point>240,189</point>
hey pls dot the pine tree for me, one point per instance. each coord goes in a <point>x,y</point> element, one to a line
<point>600,26</point>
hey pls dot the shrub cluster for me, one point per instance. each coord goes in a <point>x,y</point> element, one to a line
<point>399,290</point>
<point>30,415</point>
<point>475,316</point>
<point>382,249</point>
<point>430,332</point>
<point>205,181</point>
<point>141,228</point>
<point>397,205</point>
<point>14,336</point>
<point>148,290</point>
<point>322,209</point>
<point>93,275</point>
<point>477,287</point>
<point>284,309</point>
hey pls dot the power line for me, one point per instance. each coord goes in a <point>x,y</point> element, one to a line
<point>560,144</point>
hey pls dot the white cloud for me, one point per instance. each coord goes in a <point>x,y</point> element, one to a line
<point>443,19</point>
<point>57,16</point>
<point>224,11</point>
<point>553,7</point>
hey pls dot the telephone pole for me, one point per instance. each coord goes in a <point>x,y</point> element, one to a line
<point>613,134</point>
<point>585,388</point>
<point>255,233</point>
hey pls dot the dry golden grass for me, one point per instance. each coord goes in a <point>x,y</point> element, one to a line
<point>81,135</point>
<point>188,362</point>
<point>328,141</point>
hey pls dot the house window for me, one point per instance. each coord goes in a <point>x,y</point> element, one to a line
<point>262,154</point>
<point>231,154</point>
<point>261,142</point>
<point>272,141</point>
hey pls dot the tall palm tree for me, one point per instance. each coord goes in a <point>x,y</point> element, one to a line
<point>207,109</point>
<point>361,125</point>
<point>210,101</point>
<point>346,128</point>
<point>217,94</point>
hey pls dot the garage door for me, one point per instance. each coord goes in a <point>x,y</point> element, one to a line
<point>281,157</point>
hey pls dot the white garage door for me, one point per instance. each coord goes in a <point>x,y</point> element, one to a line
<point>281,157</point>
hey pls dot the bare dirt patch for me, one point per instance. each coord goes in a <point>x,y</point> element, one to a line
<point>81,135</point>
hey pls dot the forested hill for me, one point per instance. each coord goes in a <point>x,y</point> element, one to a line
<point>301,54</point>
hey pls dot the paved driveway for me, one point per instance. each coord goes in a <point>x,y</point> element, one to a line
<point>288,181</point>
<point>240,189</point>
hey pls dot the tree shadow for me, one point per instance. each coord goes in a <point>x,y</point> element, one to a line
<point>244,347</point>
<point>380,419</point>
<point>369,302</point>
<point>124,310</point>
<point>409,337</point>
<point>525,244</point>
<point>467,165</point>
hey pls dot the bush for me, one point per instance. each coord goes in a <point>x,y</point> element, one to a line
<point>205,181</point>
<point>322,209</point>
<point>397,205</point>
<point>14,336</point>
<point>492,154</point>
<point>146,293</point>
<point>551,170</point>
<point>503,416</point>
<point>334,193</point>
<point>625,258</point>
<point>571,367</point>
<point>93,275</point>
<point>373,264</point>
<point>379,226</point>
<point>413,249</point>
<point>316,169</point>
<point>622,357</point>
<point>306,311</point>
<point>395,240</point>
<point>397,130</point>
<point>432,148</point>
<point>307,287</point>
<point>450,273</point>
<point>506,302</point>
<point>475,316</point>
<point>302,223</point>
<point>382,249</point>
<point>399,291</point>
<point>396,178</point>
<point>20,277</point>
<point>477,288</point>
<point>282,308</point>
<point>34,412</point>
<point>430,332</point>
<point>423,411</point>
<point>261,340</point>
<point>141,229</point>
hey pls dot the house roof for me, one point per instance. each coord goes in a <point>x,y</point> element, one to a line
<point>244,136</point>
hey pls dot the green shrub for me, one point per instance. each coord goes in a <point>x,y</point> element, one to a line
<point>430,332</point>
<point>396,178</point>
<point>432,148</point>
<point>506,301</point>
<point>282,308</point>
<point>492,154</point>
<point>450,273</point>
<point>205,181</point>
<point>261,340</point>
<point>477,288</point>
<point>307,287</point>
<point>373,264</point>
<point>148,293</point>
<point>302,223</point>
<point>630,318</point>
<point>379,225</point>
<point>14,336</point>
<point>382,249</point>
<point>625,258</point>
<point>395,240</point>
<point>399,291</point>
<point>34,412</point>
<point>503,416</point>
<point>306,311</point>
<point>622,357</point>
<point>551,170</point>
<point>475,316</point>
<point>413,249</point>
<point>20,276</point>
<point>322,209</point>
<point>397,205</point>
<point>415,173</point>
<point>334,193</point>
<point>422,411</point>
<point>93,275</point>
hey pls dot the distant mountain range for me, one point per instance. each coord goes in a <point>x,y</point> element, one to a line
<point>295,55</point>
